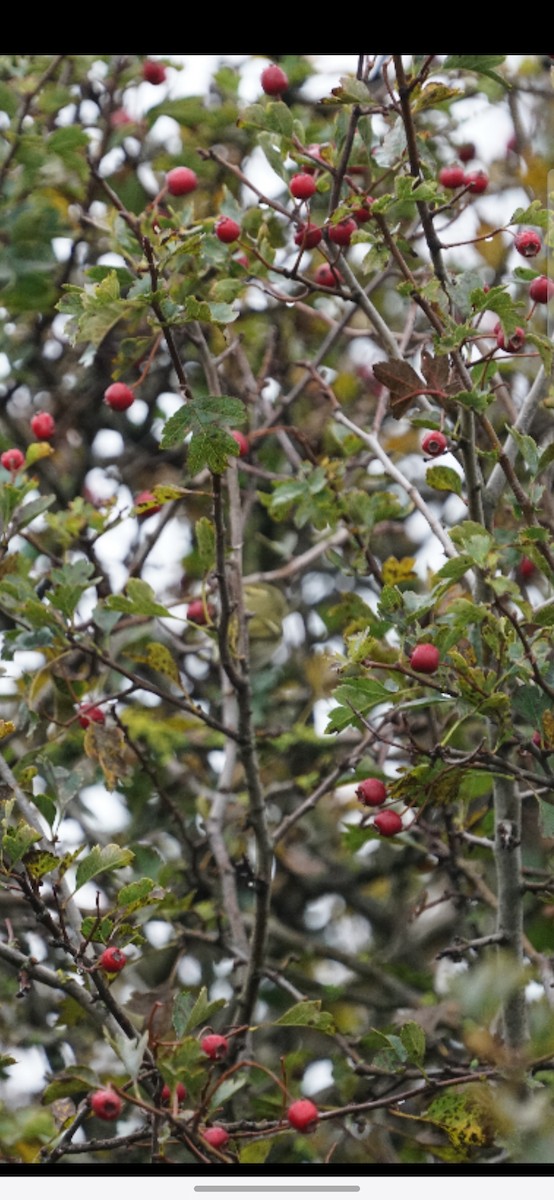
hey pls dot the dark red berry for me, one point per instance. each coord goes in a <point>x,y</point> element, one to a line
<point>199,613</point>
<point>477,181</point>
<point>466,152</point>
<point>242,442</point>
<point>112,959</point>
<point>12,460</point>
<point>153,72</point>
<point>425,658</point>
<point>119,397</point>
<point>327,276</point>
<point>302,186</point>
<point>434,443</point>
<point>308,236</point>
<point>388,823</point>
<point>106,1104</point>
<point>514,344</point>
<point>452,177</point>
<point>180,1092</point>
<point>216,1136</point>
<point>341,234</point>
<point>227,230</point>
<point>181,180</point>
<point>541,289</point>
<point>303,1115</point>
<point>371,792</point>
<point>43,425</point>
<point>274,80</point>
<point>214,1045</point>
<point>527,243</point>
<point>88,713</point>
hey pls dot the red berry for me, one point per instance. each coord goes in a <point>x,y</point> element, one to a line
<point>119,396</point>
<point>477,181</point>
<point>466,152</point>
<point>303,1115</point>
<point>242,442</point>
<point>388,823</point>
<point>434,443</point>
<point>511,144</point>
<point>514,344</point>
<point>227,230</point>
<point>181,180</point>
<point>274,81</point>
<point>527,243</point>
<point>199,613</point>
<point>541,289</point>
<point>12,460</point>
<point>302,186</point>
<point>112,959</point>
<point>214,1045</point>
<point>106,1104</point>
<point>88,713</point>
<point>526,568</point>
<point>363,213</point>
<point>371,792</point>
<point>180,1091</point>
<point>327,276</point>
<point>425,658</point>
<point>216,1136</point>
<point>341,234</point>
<point>308,236</point>
<point>452,177</point>
<point>153,72</point>
<point>43,426</point>
<point>153,506</point>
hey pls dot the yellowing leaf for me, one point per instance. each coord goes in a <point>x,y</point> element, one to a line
<point>160,658</point>
<point>107,747</point>
<point>36,451</point>
<point>398,570</point>
<point>6,727</point>
<point>493,251</point>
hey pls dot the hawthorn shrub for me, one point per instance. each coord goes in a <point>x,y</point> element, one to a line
<point>238,588</point>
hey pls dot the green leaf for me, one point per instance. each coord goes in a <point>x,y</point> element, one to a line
<point>527,447</point>
<point>182,1008</point>
<point>444,479</point>
<point>412,1037</point>
<point>275,117</point>
<point>530,703</point>
<point>308,1013</point>
<point>472,62</point>
<point>255,1152</point>
<point>188,1014</point>
<point>535,214</point>
<point>199,415</point>
<point>454,568</point>
<point>211,448</point>
<point>139,890</point>
<point>140,599</point>
<point>31,510</point>
<point>18,839</point>
<point>102,858</point>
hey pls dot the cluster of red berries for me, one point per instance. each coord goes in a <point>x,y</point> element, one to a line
<point>43,427</point>
<point>454,177</point>
<point>373,793</point>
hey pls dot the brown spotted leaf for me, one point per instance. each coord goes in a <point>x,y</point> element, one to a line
<point>403,383</point>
